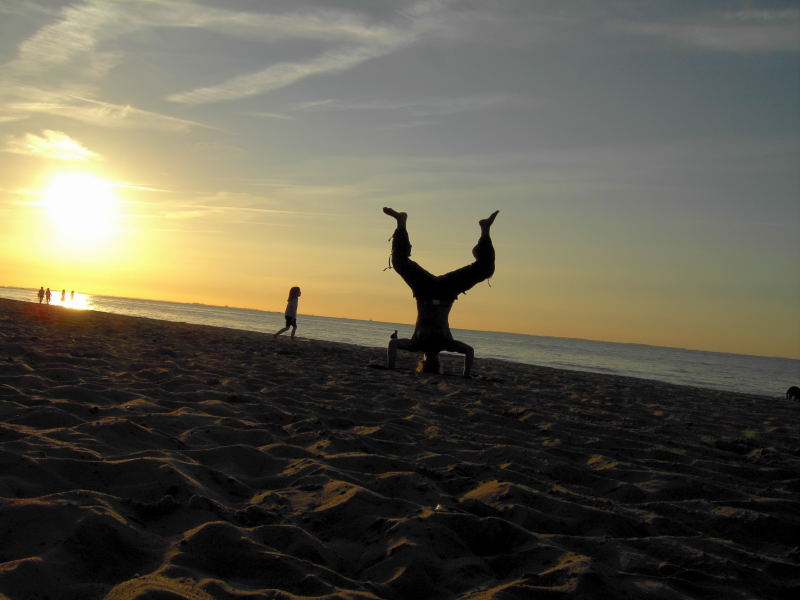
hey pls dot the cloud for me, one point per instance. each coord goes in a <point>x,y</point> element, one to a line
<point>743,31</point>
<point>83,28</point>
<point>69,54</point>
<point>85,43</point>
<point>195,211</point>
<point>275,116</point>
<point>22,101</point>
<point>51,144</point>
<point>223,206</point>
<point>370,43</point>
<point>139,188</point>
<point>278,76</point>
<point>314,104</point>
<point>321,25</point>
<point>426,107</point>
<point>79,31</point>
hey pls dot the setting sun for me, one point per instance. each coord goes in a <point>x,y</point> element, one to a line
<point>81,207</point>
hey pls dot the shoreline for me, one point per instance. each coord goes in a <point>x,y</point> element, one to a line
<point>451,361</point>
<point>140,457</point>
<point>279,311</point>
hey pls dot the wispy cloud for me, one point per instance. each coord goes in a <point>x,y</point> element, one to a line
<point>19,101</point>
<point>79,31</point>
<point>59,69</point>
<point>84,27</point>
<point>320,24</point>
<point>138,187</point>
<point>100,113</point>
<point>278,76</point>
<point>196,211</point>
<point>223,206</point>
<point>743,31</point>
<point>367,43</point>
<point>50,144</point>
<point>83,45</point>
<point>24,193</point>
<point>315,104</point>
<point>425,107</point>
<point>275,116</point>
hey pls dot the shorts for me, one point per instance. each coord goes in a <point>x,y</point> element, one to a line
<point>290,321</point>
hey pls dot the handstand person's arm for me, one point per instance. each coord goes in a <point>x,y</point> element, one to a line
<point>394,344</point>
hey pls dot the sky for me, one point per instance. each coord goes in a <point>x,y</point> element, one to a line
<point>643,156</point>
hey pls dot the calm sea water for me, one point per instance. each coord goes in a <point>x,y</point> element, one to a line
<point>715,370</point>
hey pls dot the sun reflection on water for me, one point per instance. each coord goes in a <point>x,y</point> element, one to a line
<point>75,300</point>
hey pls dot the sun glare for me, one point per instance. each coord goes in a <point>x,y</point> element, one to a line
<point>72,299</point>
<point>82,208</point>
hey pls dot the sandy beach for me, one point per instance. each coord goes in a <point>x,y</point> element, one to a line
<point>149,459</point>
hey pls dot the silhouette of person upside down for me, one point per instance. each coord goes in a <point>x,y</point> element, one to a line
<point>435,296</point>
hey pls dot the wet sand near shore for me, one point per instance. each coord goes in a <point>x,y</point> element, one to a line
<point>149,459</point>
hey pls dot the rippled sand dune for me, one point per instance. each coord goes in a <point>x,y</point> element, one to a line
<point>147,459</point>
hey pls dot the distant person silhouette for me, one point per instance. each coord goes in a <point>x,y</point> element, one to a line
<point>63,295</point>
<point>72,295</point>
<point>435,296</point>
<point>41,294</point>
<point>47,296</point>
<point>290,314</point>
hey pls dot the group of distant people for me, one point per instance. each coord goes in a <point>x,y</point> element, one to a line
<point>45,295</point>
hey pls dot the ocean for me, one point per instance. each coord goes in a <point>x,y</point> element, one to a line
<point>767,376</point>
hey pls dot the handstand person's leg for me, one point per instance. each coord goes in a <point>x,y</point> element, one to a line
<point>484,250</point>
<point>485,225</point>
<point>401,245</point>
<point>459,281</point>
<point>463,279</point>
<point>467,351</point>
<point>417,278</point>
<point>400,217</point>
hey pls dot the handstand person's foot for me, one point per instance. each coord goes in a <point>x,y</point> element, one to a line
<point>400,216</point>
<point>487,222</point>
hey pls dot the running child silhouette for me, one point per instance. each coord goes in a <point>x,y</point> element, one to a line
<point>290,314</point>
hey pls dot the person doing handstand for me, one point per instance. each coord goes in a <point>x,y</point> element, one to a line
<point>435,296</point>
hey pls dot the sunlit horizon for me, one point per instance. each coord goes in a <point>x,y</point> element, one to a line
<point>83,301</point>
